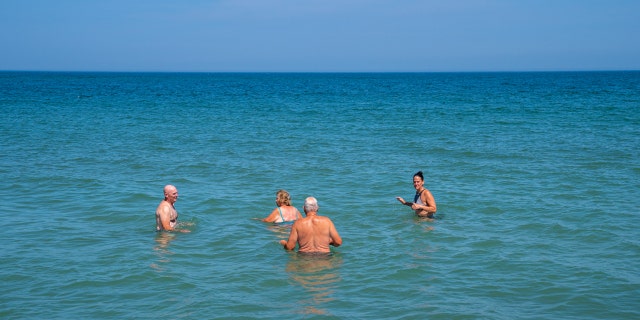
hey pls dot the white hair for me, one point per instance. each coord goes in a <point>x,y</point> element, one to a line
<point>310,204</point>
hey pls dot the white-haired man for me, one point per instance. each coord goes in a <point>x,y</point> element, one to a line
<point>313,233</point>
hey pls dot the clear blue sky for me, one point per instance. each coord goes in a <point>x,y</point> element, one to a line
<point>319,35</point>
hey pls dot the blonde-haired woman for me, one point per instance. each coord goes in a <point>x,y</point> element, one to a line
<point>285,211</point>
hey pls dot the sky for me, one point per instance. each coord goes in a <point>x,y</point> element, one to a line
<point>319,35</point>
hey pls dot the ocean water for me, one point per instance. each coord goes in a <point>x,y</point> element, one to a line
<point>536,177</point>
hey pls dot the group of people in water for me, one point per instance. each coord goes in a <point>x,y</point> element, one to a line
<point>312,233</point>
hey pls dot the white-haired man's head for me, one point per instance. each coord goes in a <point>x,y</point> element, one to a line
<point>310,205</point>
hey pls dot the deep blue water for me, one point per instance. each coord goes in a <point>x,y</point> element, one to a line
<point>536,177</point>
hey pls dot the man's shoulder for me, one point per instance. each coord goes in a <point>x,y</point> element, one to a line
<point>163,206</point>
<point>322,219</point>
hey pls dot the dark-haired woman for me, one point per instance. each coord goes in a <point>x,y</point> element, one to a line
<point>423,203</point>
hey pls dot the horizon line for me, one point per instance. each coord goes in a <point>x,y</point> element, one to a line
<point>320,72</point>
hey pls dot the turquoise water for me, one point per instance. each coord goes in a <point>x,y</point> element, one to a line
<point>536,177</point>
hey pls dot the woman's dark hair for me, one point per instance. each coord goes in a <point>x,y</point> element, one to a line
<point>419,174</point>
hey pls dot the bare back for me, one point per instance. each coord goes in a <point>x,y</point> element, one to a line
<point>290,213</point>
<point>315,234</point>
<point>283,214</point>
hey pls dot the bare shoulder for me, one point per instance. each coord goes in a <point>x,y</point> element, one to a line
<point>161,207</point>
<point>297,223</point>
<point>321,219</point>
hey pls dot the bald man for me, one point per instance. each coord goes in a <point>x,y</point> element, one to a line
<point>166,214</point>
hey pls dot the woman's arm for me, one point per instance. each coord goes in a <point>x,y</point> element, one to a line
<point>404,202</point>
<point>272,217</point>
<point>430,202</point>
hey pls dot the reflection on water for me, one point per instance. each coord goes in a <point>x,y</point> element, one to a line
<point>161,249</point>
<point>185,226</point>
<point>281,230</point>
<point>318,275</point>
<point>421,220</point>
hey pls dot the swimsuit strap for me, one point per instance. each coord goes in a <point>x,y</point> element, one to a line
<point>281,217</point>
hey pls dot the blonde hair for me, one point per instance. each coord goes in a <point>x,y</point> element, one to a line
<point>283,198</point>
